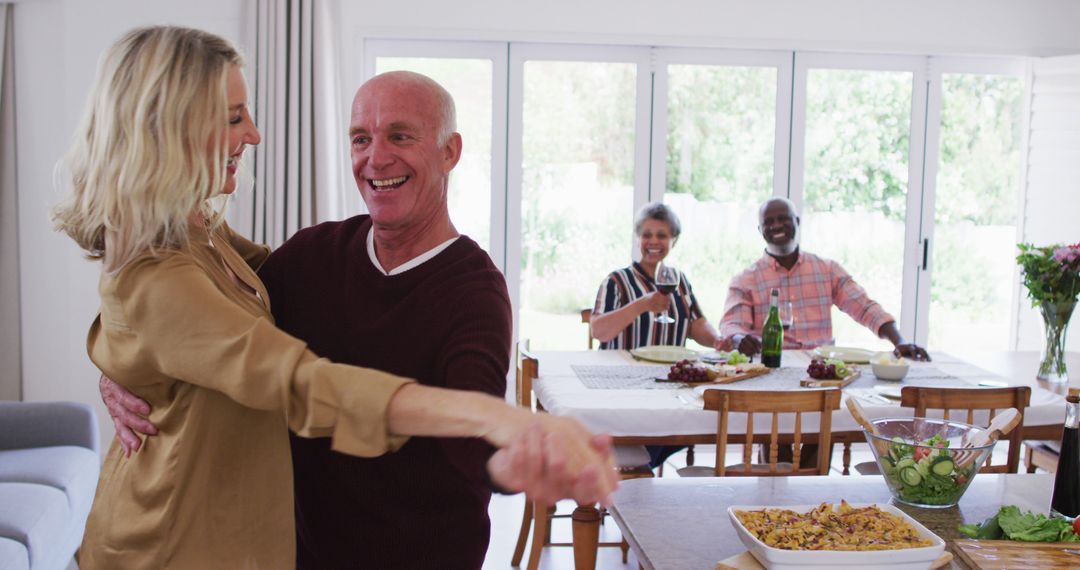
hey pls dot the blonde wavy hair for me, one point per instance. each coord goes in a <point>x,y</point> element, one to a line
<point>149,151</point>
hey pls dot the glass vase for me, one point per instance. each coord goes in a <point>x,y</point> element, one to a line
<point>1056,322</point>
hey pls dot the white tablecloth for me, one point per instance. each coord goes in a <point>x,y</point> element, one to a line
<point>645,413</point>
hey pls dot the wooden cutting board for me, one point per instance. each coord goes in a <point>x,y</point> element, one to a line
<point>840,383</point>
<point>749,374</point>
<point>724,379</point>
<point>995,554</point>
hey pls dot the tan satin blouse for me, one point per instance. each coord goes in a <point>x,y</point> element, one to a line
<point>213,489</point>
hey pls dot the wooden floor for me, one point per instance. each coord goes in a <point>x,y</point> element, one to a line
<point>505,513</point>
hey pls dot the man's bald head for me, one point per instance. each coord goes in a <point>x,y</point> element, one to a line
<point>421,87</point>
<point>775,204</point>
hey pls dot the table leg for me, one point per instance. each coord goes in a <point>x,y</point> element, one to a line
<point>586,524</point>
<point>847,458</point>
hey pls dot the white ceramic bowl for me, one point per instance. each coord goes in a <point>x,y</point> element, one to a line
<point>777,558</point>
<point>890,372</point>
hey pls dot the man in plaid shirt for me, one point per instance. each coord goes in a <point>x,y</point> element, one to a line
<point>811,283</point>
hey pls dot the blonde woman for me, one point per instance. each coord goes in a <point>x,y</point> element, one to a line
<point>185,325</point>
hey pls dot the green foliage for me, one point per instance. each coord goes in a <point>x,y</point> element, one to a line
<point>980,149</point>
<point>721,131</point>
<point>577,112</point>
<point>961,282</point>
<point>577,188</point>
<point>857,130</point>
<point>1051,273</point>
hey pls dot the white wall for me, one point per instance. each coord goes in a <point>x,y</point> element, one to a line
<point>956,27</point>
<point>57,45</point>
<point>1039,28</point>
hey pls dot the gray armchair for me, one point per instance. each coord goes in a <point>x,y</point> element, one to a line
<point>49,467</point>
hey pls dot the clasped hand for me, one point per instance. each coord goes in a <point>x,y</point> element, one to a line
<point>547,457</point>
<point>656,302</point>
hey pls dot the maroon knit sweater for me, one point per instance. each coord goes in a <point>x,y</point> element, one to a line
<point>445,323</point>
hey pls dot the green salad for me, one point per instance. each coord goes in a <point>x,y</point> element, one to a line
<point>1010,524</point>
<point>926,473</point>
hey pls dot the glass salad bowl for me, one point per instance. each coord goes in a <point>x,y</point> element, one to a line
<point>927,462</point>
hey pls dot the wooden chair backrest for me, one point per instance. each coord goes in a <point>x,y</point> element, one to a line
<point>779,402</point>
<point>970,400</point>
<point>528,368</point>
<point>586,317</point>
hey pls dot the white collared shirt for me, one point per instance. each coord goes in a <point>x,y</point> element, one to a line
<point>414,262</point>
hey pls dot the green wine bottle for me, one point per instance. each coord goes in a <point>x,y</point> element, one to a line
<point>772,334</point>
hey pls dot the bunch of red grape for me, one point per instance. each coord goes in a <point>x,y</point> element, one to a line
<point>821,371</point>
<point>686,371</point>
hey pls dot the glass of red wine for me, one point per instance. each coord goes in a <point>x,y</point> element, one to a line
<point>787,321</point>
<point>667,281</point>
<point>787,316</point>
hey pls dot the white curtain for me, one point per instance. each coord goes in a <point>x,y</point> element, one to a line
<point>299,167</point>
<point>10,345</point>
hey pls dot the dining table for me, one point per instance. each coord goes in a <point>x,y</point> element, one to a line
<point>683,523</point>
<point>613,392</point>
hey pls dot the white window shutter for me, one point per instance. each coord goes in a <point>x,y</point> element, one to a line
<point>1052,197</point>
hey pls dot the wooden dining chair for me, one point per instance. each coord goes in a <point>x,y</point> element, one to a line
<point>1041,455</point>
<point>632,461</point>
<point>586,317</point>
<point>967,401</point>
<point>775,403</point>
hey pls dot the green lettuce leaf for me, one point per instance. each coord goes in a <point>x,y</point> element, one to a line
<point>1033,527</point>
<point>969,530</point>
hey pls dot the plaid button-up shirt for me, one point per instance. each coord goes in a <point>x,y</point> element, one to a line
<point>813,285</point>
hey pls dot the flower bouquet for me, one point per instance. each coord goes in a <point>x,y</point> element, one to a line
<point>1052,278</point>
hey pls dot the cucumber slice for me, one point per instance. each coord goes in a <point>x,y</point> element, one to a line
<point>923,468</point>
<point>943,466</point>
<point>905,462</point>
<point>887,464</point>
<point>910,476</point>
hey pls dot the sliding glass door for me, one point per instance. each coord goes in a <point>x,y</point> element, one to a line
<point>859,141</point>
<point>973,297</point>
<point>724,131</point>
<point>905,169</point>
<point>580,133</point>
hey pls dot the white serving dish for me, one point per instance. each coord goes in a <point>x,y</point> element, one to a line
<point>847,354</point>
<point>898,559</point>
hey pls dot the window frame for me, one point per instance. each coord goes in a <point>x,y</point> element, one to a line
<point>508,60</point>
